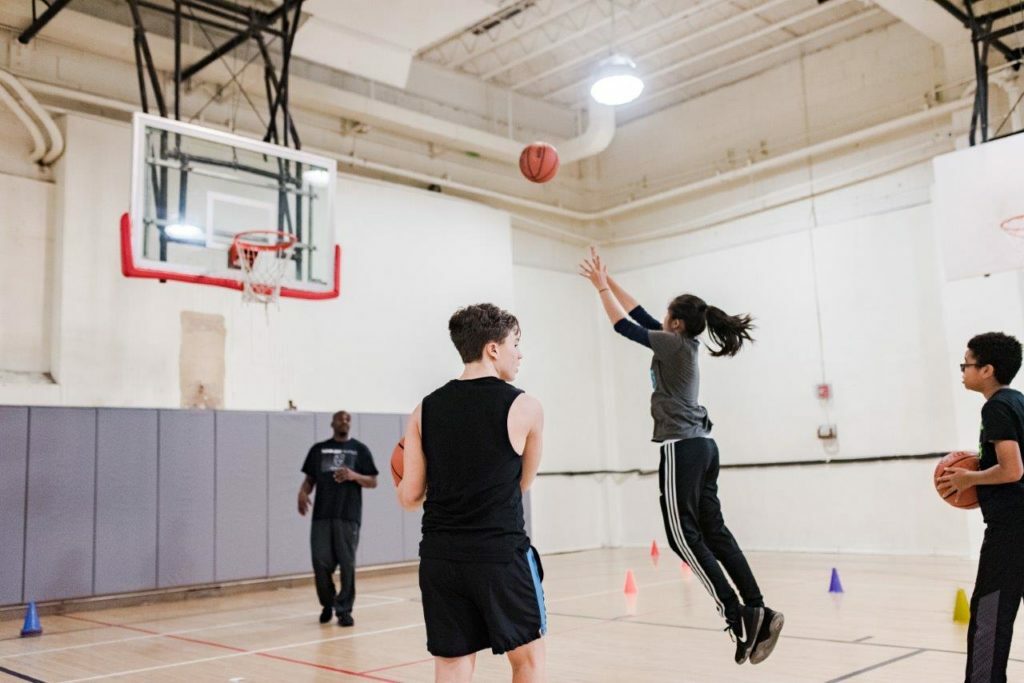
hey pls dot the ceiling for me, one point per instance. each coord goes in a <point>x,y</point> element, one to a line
<point>548,49</point>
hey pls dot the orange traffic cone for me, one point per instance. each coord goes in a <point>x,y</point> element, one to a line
<point>630,588</point>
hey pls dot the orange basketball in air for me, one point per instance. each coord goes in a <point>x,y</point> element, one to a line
<point>539,162</point>
<point>398,461</point>
<point>966,460</point>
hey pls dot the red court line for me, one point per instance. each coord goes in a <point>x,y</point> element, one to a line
<point>397,666</point>
<point>210,643</point>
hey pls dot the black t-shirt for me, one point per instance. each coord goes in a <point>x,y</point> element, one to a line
<point>1002,419</point>
<point>333,500</point>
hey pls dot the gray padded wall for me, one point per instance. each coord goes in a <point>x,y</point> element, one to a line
<point>380,537</point>
<point>124,500</point>
<point>185,531</point>
<point>241,530</point>
<point>61,503</point>
<point>13,460</point>
<point>126,495</point>
<point>323,426</point>
<point>289,437</point>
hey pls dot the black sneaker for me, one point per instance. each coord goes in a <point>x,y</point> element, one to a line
<point>744,630</point>
<point>345,620</point>
<point>325,615</point>
<point>767,636</point>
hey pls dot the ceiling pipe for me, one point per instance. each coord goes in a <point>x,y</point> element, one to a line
<point>816,149</point>
<point>56,147</point>
<point>38,144</point>
<point>592,141</point>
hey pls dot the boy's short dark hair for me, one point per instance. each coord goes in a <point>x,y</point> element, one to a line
<point>999,350</point>
<point>473,327</point>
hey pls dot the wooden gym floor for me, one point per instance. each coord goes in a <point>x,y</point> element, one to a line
<point>893,623</point>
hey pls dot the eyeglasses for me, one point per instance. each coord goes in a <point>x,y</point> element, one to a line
<point>964,366</point>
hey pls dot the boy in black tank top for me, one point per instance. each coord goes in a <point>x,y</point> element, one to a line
<point>472,447</point>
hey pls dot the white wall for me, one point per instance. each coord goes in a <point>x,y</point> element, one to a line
<point>26,236</point>
<point>410,259</point>
<point>892,332</point>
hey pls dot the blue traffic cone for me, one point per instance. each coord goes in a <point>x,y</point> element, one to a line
<point>31,627</point>
<point>835,585</point>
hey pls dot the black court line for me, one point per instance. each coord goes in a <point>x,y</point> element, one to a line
<point>875,666</point>
<point>628,619</point>
<point>752,465</point>
<point>23,677</point>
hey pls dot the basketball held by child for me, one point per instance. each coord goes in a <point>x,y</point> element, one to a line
<point>965,500</point>
<point>398,461</point>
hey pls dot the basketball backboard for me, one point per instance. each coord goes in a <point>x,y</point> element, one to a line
<point>977,200</point>
<point>194,189</point>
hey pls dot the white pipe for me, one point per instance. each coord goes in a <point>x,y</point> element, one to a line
<point>38,144</point>
<point>56,146</point>
<point>908,156</point>
<point>594,140</point>
<point>787,158</point>
<point>56,137</point>
<point>759,167</point>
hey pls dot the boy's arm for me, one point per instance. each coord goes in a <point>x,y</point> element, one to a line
<point>413,487</point>
<point>1008,469</point>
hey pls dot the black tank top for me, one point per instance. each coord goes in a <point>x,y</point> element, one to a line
<point>474,507</point>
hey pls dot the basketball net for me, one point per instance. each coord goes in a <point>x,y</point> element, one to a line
<point>264,256</point>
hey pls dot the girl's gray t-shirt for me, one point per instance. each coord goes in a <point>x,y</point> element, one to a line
<point>676,379</point>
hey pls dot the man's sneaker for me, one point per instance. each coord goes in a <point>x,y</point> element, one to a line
<point>345,620</point>
<point>767,636</point>
<point>325,615</point>
<point>744,630</point>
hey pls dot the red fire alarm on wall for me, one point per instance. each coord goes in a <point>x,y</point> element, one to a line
<point>824,391</point>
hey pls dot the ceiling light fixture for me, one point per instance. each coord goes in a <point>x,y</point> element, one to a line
<point>616,81</point>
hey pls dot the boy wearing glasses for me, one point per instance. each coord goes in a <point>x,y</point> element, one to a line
<point>990,364</point>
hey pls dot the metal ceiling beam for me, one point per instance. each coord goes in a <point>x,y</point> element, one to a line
<point>44,19</point>
<point>760,56</point>
<point>1010,54</point>
<point>259,23</point>
<point>639,33</point>
<point>707,30</point>
<point>559,43</point>
<point>515,35</point>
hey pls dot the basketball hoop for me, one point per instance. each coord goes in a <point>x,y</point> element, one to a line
<point>264,257</point>
<point>1013,226</point>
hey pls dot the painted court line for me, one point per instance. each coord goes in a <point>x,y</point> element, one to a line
<point>875,666</point>
<point>617,590</point>
<point>24,677</point>
<point>155,634</point>
<point>260,652</point>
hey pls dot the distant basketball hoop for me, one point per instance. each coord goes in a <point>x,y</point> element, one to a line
<point>264,257</point>
<point>1014,226</point>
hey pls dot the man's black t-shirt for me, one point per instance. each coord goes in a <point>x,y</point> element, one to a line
<point>333,500</point>
<point>1002,419</point>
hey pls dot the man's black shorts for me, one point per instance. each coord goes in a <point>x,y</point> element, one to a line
<point>469,606</point>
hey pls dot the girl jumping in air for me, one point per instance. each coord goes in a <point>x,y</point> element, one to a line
<point>688,472</point>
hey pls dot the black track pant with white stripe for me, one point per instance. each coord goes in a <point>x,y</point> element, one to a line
<point>997,594</point>
<point>688,478</point>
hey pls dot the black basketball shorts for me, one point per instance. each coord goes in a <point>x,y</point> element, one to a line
<point>469,606</point>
